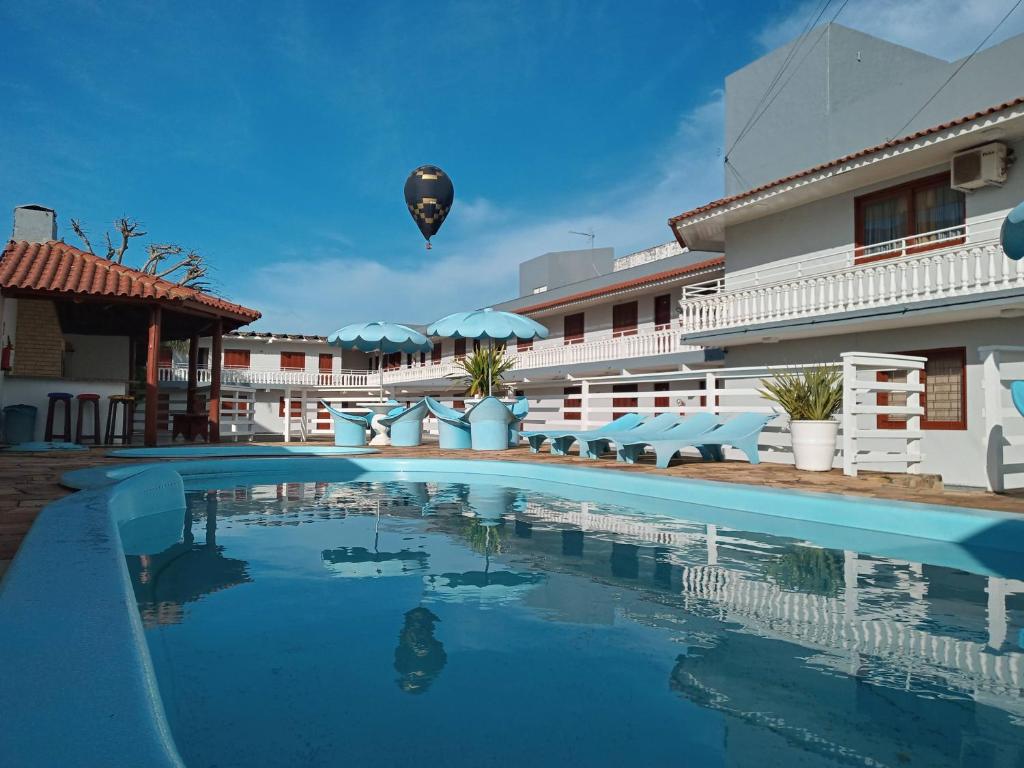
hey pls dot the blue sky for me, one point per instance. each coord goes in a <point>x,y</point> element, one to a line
<point>275,137</point>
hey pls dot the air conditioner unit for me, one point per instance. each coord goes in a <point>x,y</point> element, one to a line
<point>982,166</point>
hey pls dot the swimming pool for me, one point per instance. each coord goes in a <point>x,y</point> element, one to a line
<point>475,613</point>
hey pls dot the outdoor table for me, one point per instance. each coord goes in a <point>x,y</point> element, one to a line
<point>380,410</point>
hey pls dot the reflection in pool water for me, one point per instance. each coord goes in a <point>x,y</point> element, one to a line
<point>537,630</point>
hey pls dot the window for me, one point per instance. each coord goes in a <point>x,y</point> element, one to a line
<point>293,361</point>
<point>460,349</point>
<point>524,345</point>
<point>945,394</point>
<point>571,405</point>
<point>624,318</point>
<point>236,358</point>
<point>435,353</point>
<point>573,329</point>
<point>166,358</point>
<point>296,408</point>
<point>922,214</point>
<point>624,402</point>
<point>662,386</point>
<point>662,311</point>
<point>423,358</point>
<point>325,362</point>
<point>393,361</point>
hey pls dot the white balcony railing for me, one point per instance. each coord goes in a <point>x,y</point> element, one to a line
<point>253,377</point>
<point>556,353</point>
<point>858,278</point>
<point>553,353</point>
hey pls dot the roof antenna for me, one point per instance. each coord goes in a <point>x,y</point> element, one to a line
<point>589,234</point>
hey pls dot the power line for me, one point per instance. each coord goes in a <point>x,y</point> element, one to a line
<point>812,20</point>
<point>956,71</point>
<point>800,63</point>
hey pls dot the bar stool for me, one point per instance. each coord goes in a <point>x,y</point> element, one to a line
<point>127,404</point>
<point>54,398</point>
<point>84,399</point>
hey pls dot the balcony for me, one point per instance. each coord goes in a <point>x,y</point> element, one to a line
<point>259,378</point>
<point>553,353</point>
<point>961,261</point>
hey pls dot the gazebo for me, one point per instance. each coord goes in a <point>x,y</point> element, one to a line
<point>91,295</point>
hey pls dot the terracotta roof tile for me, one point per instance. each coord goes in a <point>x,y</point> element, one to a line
<point>614,288</point>
<point>57,267</point>
<point>845,159</point>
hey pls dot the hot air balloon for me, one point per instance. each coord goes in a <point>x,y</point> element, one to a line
<point>429,194</point>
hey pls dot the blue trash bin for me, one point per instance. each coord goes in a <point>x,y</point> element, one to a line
<point>19,423</point>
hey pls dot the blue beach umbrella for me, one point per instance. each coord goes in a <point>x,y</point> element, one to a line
<point>493,325</point>
<point>381,337</point>
<point>1012,234</point>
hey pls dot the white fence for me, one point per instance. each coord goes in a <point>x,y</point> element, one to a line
<point>848,280</point>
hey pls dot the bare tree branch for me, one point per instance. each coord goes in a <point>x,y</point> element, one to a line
<point>76,226</point>
<point>128,228</point>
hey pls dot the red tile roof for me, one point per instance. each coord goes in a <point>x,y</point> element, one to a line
<point>717,261</point>
<point>845,159</point>
<point>57,267</point>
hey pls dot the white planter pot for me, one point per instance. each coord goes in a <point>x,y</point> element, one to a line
<point>814,444</point>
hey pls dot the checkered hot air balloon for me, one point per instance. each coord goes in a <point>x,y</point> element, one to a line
<point>429,194</point>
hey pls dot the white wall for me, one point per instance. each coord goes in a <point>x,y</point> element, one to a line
<point>33,391</point>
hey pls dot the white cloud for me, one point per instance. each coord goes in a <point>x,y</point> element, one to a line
<point>949,29</point>
<point>478,263</point>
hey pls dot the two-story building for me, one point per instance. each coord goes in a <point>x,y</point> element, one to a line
<point>862,212</point>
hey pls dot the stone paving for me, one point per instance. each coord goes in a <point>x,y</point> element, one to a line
<point>29,481</point>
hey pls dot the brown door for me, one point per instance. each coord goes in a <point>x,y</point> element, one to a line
<point>624,319</point>
<point>573,329</point>
<point>326,362</point>
<point>662,311</point>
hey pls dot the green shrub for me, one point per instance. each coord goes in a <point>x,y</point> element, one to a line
<point>814,394</point>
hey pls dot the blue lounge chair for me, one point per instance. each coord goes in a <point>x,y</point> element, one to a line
<point>1017,393</point>
<point>595,442</point>
<point>488,425</point>
<point>349,428</point>
<point>536,438</point>
<point>631,444</point>
<point>452,427</point>
<point>520,409</point>
<point>405,425</point>
<point>741,432</point>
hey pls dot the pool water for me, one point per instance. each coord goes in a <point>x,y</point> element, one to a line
<point>390,622</point>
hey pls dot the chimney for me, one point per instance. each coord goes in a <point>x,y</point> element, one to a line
<point>35,224</point>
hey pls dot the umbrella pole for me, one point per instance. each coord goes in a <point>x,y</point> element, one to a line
<point>490,378</point>
<point>380,371</point>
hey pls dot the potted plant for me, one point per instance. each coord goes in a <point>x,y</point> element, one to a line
<point>483,371</point>
<point>811,398</point>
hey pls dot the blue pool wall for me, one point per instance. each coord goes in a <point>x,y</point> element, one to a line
<point>77,684</point>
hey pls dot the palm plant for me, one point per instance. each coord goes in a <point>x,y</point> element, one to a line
<point>483,370</point>
<point>814,394</point>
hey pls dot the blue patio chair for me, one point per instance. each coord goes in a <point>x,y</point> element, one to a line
<point>405,425</point>
<point>488,425</point>
<point>349,428</point>
<point>520,409</point>
<point>741,432</point>
<point>536,438</point>
<point>631,445</point>
<point>595,442</point>
<point>452,427</point>
<point>1017,393</point>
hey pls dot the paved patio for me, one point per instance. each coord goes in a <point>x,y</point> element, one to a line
<point>29,481</point>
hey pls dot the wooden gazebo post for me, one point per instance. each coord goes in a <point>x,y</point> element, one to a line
<point>152,367</point>
<point>193,374</point>
<point>215,356</point>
